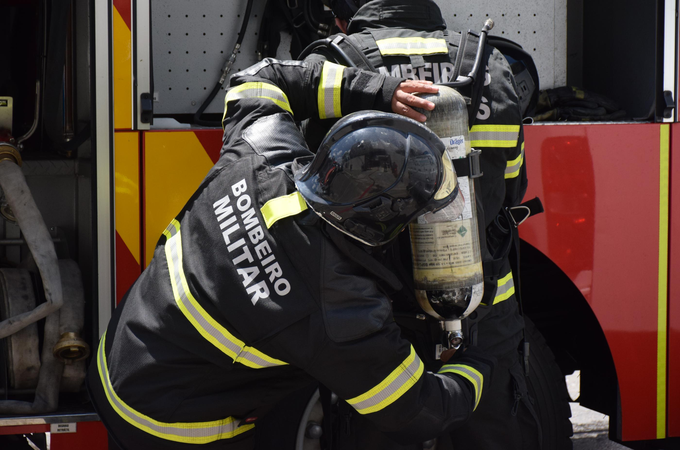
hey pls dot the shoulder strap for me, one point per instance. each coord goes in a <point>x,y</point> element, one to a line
<point>353,52</point>
<point>465,60</point>
<point>359,256</point>
<point>463,53</point>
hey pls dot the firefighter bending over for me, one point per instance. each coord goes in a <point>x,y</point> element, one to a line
<point>256,290</point>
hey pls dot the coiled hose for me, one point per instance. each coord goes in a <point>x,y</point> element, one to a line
<point>39,241</point>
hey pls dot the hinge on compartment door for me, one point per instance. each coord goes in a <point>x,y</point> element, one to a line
<point>669,104</point>
<point>146,108</point>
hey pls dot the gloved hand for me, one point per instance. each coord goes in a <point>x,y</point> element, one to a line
<point>471,357</point>
<point>474,357</point>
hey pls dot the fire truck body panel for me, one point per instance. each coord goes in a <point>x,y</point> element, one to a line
<point>673,381</point>
<point>605,193</point>
<point>600,270</point>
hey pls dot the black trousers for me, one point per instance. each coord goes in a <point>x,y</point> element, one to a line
<point>505,418</point>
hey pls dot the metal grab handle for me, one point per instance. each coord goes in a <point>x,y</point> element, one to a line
<point>470,78</point>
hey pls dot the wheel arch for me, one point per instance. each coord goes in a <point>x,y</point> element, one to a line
<point>571,329</point>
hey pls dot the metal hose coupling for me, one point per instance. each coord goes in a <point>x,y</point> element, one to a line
<point>71,348</point>
<point>9,152</point>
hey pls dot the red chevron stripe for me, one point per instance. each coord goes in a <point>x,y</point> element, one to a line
<point>127,268</point>
<point>211,140</point>
<point>125,11</point>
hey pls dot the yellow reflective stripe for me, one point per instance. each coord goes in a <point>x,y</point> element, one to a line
<point>208,327</point>
<point>469,373</point>
<point>662,317</point>
<point>495,128</point>
<point>514,166</point>
<point>391,388</point>
<point>186,432</point>
<point>505,289</point>
<point>258,90</point>
<point>330,88</point>
<point>412,46</point>
<point>504,136</point>
<point>282,207</point>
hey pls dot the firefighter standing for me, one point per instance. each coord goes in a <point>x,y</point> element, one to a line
<point>250,296</point>
<point>408,38</point>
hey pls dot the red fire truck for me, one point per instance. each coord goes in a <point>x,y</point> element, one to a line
<point>112,108</point>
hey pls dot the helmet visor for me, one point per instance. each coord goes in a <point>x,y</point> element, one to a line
<point>362,165</point>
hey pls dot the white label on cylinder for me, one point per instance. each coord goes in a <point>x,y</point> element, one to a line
<point>445,244</point>
<point>455,146</point>
<point>452,212</point>
<point>449,213</point>
<point>464,186</point>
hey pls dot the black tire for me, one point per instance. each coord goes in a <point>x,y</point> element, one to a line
<point>548,390</point>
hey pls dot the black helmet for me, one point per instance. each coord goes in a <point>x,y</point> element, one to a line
<point>345,9</point>
<point>375,172</point>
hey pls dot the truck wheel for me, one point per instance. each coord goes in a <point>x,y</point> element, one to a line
<point>548,390</point>
<point>310,430</point>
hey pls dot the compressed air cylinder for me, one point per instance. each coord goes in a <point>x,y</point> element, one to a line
<point>447,262</point>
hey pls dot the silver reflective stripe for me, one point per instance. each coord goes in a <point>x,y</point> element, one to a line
<point>186,432</point>
<point>267,62</point>
<point>329,92</point>
<point>412,46</point>
<point>514,166</point>
<point>505,289</point>
<point>391,388</point>
<point>207,326</point>
<point>469,373</point>
<point>494,136</point>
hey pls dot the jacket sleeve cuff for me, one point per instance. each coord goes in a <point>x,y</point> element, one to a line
<point>383,100</point>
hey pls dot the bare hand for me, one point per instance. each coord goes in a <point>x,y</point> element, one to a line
<point>403,101</point>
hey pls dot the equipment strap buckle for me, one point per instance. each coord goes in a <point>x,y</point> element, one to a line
<point>469,166</point>
<point>522,212</point>
<point>299,20</point>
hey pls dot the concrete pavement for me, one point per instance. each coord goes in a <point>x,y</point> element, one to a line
<point>591,428</point>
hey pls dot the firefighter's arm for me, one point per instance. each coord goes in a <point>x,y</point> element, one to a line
<point>498,133</point>
<point>516,174</point>
<point>322,89</point>
<point>384,380</point>
<point>352,344</point>
<point>515,171</point>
